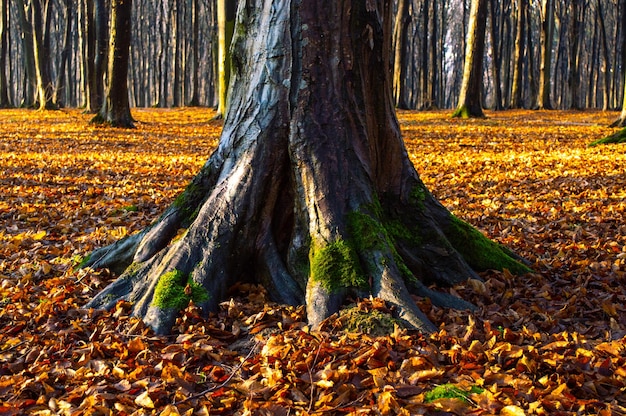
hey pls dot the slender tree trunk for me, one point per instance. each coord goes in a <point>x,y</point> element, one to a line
<point>470,104</point>
<point>101,51</point>
<point>59,90</point>
<point>311,191</point>
<point>496,62</point>
<point>4,49</point>
<point>194,100</point>
<point>226,10</point>
<point>400,35</point>
<point>547,35</point>
<point>28,55</point>
<point>520,35</point>
<point>575,52</point>
<point>606,63</point>
<point>116,108</point>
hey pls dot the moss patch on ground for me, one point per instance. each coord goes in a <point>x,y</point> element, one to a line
<point>478,251</point>
<point>175,289</point>
<point>374,322</point>
<point>450,391</point>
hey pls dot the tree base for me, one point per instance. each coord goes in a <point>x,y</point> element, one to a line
<point>310,193</point>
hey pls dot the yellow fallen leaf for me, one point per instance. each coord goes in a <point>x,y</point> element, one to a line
<point>512,410</point>
<point>144,400</point>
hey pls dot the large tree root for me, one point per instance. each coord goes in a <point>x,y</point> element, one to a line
<point>310,192</point>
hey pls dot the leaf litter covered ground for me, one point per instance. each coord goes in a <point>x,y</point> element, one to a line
<point>550,342</point>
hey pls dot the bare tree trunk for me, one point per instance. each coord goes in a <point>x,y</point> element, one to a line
<point>606,63</point>
<point>402,21</point>
<point>116,108</point>
<point>496,62</point>
<point>226,10</point>
<point>59,90</point>
<point>470,104</point>
<point>311,191</point>
<point>547,35</point>
<point>516,89</point>
<point>194,100</point>
<point>4,49</point>
<point>28,55</point>
<point>575,52</point>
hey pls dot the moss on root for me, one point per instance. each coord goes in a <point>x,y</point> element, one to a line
<point>618,137</point>
<point>478,251</point>
<point>175,289</point>
<point>336,266</point>
<point>372,234</point>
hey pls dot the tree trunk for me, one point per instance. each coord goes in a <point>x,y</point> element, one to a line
<point>547,35</point>
<point>496,62</point>
<point>575,52</point>
<point>310,191</point>
<point>470,104</point>
<point>516,89</point>
<point>194,100</point>
<point>4,49</point>
<point>226,10</point>
<point>400,50</point>
<point>59,90</point>
<point>30,76</point>
<point>116,109</point>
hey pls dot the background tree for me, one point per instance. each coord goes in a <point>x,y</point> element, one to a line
<point>226,10</point>
<point>116,108</point>
<point>310,191</point>
<point>41,50</point>
<point>520,38</point>
<point>470,102</point>
<point>547,34</point>
<point>400,40</point>
<point>4,46</point>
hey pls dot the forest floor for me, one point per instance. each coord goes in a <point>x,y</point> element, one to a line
<point>549,342</point>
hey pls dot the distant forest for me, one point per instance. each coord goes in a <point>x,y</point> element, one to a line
<point>577,44</point>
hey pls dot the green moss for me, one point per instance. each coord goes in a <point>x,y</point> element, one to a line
<point>170,291</point>
<point>81,262</point>
<point>480,252</point>
<point>336,266</point>
<point>368,233</point>
<point>371,234</point>
<point>450,391</point>
<point>186,203</point>
<point>131,208</point>
<point>619,137</point>
<point>374,322</point>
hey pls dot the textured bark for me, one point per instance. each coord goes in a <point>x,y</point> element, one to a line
<point>226,10</point>
<point>400,29</point>
<point>470,102</point>
<point>310,191</point>
<point>546,37</point>
<point>116,108</point>
<point>518,54</point>
<point>4,49</point>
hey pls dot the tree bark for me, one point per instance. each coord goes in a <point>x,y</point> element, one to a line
<point>59,90</point>
<point>30,75</point>
<point>496,62</point>
<point>546,37</point>
<point>226,10</point>
<point>470,103</point>
<point>116,108</point>
<point>4,49</point>
<point>520,35</point>
<point>311,191</point>
<point>400,28</point>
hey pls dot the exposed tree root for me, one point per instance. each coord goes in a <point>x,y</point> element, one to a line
<point>310,192</point>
